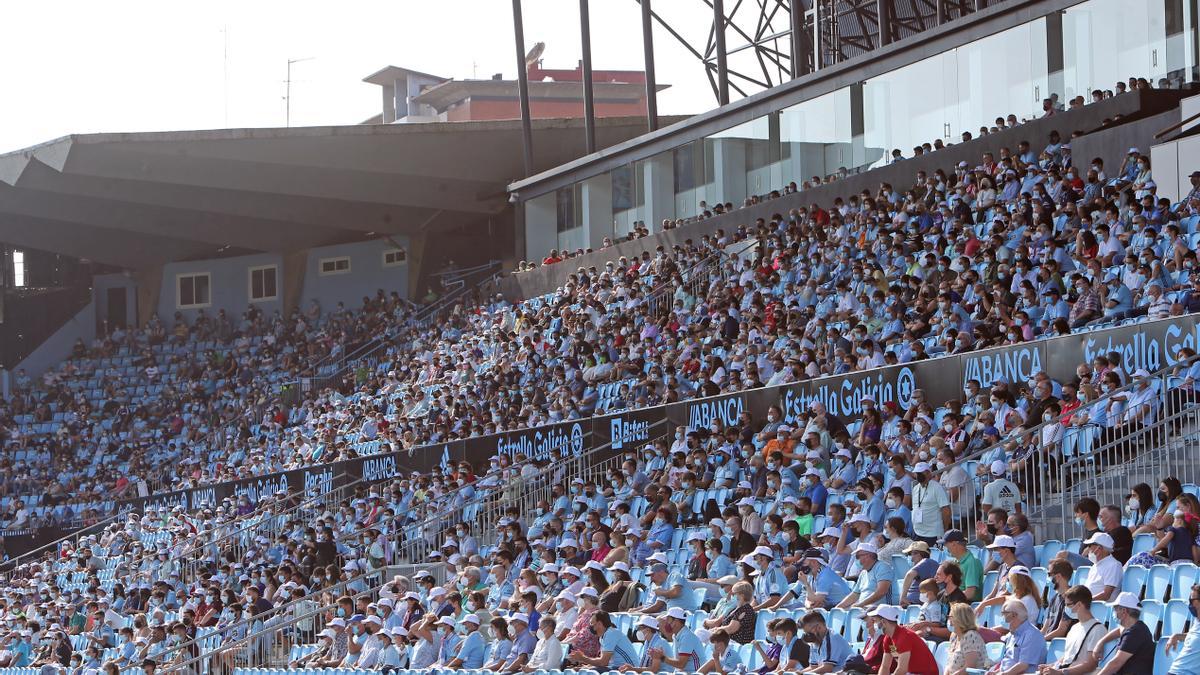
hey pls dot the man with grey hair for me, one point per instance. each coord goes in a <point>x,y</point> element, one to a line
<point>1135,641</point>
<point>1024,646</point>
<point>669,589</point>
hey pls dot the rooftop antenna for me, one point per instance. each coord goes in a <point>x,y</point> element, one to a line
<point>288,93</point>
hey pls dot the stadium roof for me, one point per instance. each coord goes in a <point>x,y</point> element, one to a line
<point>140,199</point>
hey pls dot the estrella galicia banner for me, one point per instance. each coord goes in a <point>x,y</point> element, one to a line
<point>544,442</point>
<point>1151,345</point>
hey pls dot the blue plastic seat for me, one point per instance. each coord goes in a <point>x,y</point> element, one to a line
<point>1158,582</point>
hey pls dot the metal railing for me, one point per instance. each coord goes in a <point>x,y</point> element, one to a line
<point>263,522</point>
<point>1046,461</point>
<point>14,566</point>
<point>267,638</point>
<point>1105,462</point>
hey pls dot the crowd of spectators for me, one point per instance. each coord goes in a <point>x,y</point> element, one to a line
<point>1023,245</point>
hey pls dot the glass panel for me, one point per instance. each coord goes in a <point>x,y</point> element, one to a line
<point>693,178</point>
<point>901,110</point>
<point>816,138</point>
<point>746,159</point>
<point>1104,42</point>
<point>628,197</point>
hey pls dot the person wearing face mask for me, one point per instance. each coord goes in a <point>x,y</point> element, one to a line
<point>904,652</point>
<point>1187,659</point>
<point>1134,652</point>
<point>1105,575</point>
<point>1024,648</point>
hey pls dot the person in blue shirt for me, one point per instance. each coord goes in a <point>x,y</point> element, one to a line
<point>615,648</point>
<point>769,584</point>
<point>817,585</point>
<point>654,645</point>
<point>874,583</point>
<point>872,505</point>
<point>723,660</point>
<point>828,651</point>
<point>687,652</point>
<point>896,508</point>
<point>661,532</point>
<point>668,589</point>
<point>1187,660</point>
<point>523,643</point>
<point>815,491</point>
<point>470,651</point>
<point>1118,298</point>
<point>1024,646</point>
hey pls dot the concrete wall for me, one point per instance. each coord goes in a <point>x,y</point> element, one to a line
<point>229,279</point>
<point>101,284</point>
<point>1088,119</point>
<point>229,283</point>
<point>58,346</point>
<point>1173,164</point>
<point>367,274</point>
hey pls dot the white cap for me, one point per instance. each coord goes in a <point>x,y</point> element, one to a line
<point>1127,600</point>
<point>999,467</point>
<point>1141,372</point>
<point>1005,541</point>
<point>696,536</point>
<point>399,631</point>
<point>889,612</point>
<point>571,569</point>
<point>832,532</point>
<point>447,621</point>
<point>764,551</point>
<point>523,618</point>
<point>866,547</point>
<point>338,622</point>
<point>859,518</point>
<point>587,591</point>
<point>1100,539</point>
<point>843,453</point>
<point>437,592</point>
<point>550,568</point>
<point>329,633</point>
<point>593,565</point>
<point>568,542</point>
<point>658,557</point>
<point>471,618</point>
<point>813,472</point>
<point>677,613</point>
<point>648,621</point>
<point>621,565</point>
<point>373,619</point>
<point>921,467</point>
<point>746,501</point>
<point>1019,570</point>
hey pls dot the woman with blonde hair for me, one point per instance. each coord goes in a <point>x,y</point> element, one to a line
<point>967,648</point>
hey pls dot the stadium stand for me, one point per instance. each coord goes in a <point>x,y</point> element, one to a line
<point>941,537</point>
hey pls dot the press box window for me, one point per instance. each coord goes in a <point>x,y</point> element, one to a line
<point>263,283</point>
<point>194,290</point>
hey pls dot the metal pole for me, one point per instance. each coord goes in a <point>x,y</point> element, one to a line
<point>884,12</point>
<point>287,97</point>
<point>523,87</point>
<point>648,55</point>
<point>722,65</point>
<point>589,97</point>
<point>799,40</point>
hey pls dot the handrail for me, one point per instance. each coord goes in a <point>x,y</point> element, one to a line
<point>1041,425</point>
<point>265,630</point>
<point>1177,125</point>
<point>260,516</point>
<point>13,565</point>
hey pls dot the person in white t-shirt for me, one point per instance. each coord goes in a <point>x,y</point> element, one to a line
<point>548,653</point>
<point>1104,577</point>
<point>1077,657</point>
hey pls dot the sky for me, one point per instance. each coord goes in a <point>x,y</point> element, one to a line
<point>73,67</point>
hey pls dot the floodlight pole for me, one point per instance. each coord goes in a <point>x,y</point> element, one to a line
<point>287,111</point>
<point>722,56</point>
<point>523,87</point>
<point>648,54</point>
<point>589,96</point>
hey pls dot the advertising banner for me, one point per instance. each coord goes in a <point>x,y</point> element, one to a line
<point>1150,345</point>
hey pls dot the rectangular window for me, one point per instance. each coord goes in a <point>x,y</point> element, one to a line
<point>263,284</point>
<point>335,265</point>
<point>394,257</point>
<point>18,268</point>
<point>193,290</point>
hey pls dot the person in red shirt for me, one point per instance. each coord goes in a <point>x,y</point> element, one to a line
<point>552,258</point>
<point>903,650</point>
